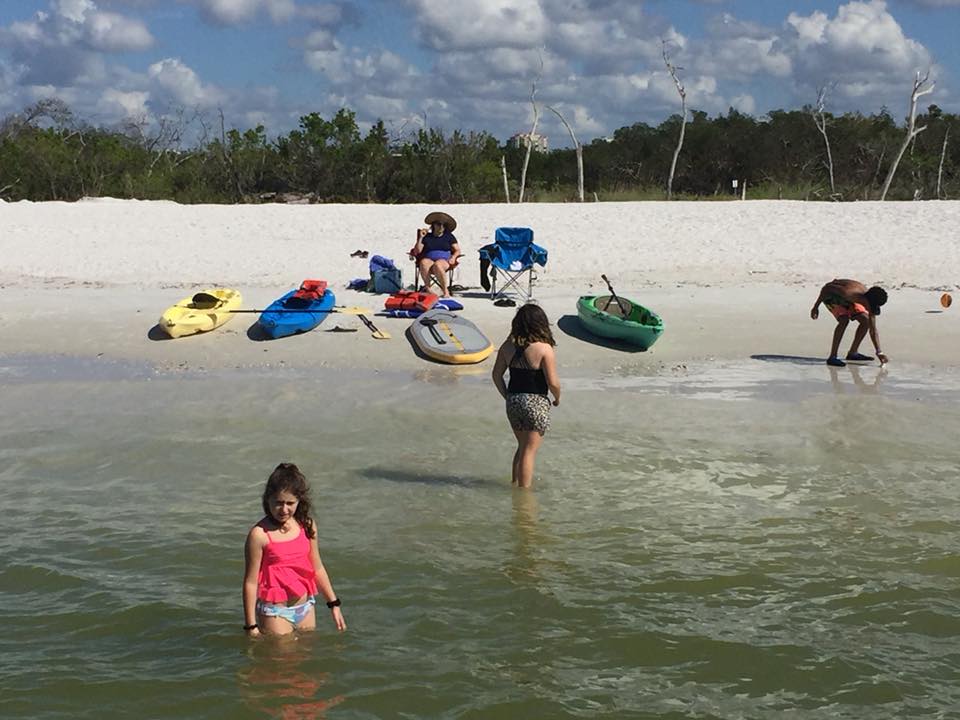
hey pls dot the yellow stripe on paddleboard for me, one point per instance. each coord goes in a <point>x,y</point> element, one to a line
<point>456,340</point>
<point>462,357</point>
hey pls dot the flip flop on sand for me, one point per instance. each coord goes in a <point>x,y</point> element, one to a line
<point>858,357</point>
<point>505,302</point>
<point>340,328</point>
<point>360,253</point>
<point>836,362</point>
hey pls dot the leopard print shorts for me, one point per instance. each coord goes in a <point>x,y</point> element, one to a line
<point>527,412</point>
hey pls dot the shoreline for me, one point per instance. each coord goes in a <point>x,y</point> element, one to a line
<point>731,280</point>
<point>703,326</point>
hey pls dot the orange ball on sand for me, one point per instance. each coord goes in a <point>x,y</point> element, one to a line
<point>946,300</point>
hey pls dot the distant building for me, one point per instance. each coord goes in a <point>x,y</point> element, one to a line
<point>538,142</point>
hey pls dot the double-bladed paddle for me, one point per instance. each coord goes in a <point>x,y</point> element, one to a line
<point>613,296</point>
<point>345,310</point>
<point>374,330</point>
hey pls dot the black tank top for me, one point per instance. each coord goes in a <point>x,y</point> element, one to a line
<point>523,378</point>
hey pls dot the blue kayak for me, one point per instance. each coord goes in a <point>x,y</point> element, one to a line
<point>291,315</point>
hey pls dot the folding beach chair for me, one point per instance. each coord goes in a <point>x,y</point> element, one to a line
<point>513,255</point>
<point>433,280</point>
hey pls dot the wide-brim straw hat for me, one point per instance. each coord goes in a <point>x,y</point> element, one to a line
<point>441,217</point>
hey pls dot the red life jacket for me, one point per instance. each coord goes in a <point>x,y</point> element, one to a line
<point>311,290</point>
<point>409,300</point>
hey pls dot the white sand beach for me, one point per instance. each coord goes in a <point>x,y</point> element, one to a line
<point>731,279</point>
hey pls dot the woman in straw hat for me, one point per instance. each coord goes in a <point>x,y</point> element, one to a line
<point>437,250</point>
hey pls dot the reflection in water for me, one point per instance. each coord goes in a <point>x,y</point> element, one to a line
<point>528,538</point>
<point>858,381</point>
<point>448,375</point>
<point>280,681</point>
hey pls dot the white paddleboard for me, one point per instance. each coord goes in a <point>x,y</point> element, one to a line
<point>450,338</point>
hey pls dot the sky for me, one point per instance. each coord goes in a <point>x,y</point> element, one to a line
<point>470,64</point>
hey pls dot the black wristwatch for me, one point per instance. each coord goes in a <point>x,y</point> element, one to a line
<point>334,603</point>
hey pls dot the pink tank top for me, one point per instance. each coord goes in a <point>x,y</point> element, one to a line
<point>286,571</point>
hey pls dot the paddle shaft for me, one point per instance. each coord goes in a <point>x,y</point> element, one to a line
<point>377,333</point>
<point>613,295</point>
<point>344,310</point>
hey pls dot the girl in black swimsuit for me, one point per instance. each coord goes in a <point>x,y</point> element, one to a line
<point>528,354</point>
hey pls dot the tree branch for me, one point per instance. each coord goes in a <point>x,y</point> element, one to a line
<point>533,130</point>
<point>919,90</point>
<point>577,146</point>
<point>672,69</point>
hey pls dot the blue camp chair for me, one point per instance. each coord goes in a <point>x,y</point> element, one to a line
<point>513,255</point>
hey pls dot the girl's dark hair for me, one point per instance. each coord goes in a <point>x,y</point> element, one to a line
<point>287,477</point>
<point>876,296</point>
<point>530,325</point>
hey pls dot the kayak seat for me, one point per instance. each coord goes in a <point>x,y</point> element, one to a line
<point>205,301</point>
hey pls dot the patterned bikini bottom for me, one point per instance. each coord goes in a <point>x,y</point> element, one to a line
<point>293,614</point>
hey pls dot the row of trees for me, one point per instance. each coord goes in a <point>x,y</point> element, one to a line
<point>46,153</point>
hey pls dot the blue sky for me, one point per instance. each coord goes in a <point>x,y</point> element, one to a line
<point>467,64</point>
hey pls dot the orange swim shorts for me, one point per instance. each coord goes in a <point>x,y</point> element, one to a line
<point>842,311</point>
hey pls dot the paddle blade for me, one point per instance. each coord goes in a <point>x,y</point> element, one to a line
<point>374,330</point>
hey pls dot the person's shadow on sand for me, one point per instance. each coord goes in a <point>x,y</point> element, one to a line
<point>571,325</point>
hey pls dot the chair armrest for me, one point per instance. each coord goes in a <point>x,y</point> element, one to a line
<point>538,255</point>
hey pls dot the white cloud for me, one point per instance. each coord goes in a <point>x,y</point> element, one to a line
<point>446,25</point>
<point>114,33</point>
<point>238,12</point>
<point>744,103</point>
<point>229,12</point>
<point>66,45</point>
<point>935,3</point>
<point>351,68</point>
<point>73,10</point>
<point>182,86</point>
<point>863,49</point>
<point>125,104</point>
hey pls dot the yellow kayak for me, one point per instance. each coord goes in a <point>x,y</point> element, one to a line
<point>200,312</point>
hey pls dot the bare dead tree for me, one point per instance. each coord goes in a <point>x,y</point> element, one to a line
<point>54,110</point>
<point>506,185</point>
<point>673,69</point>
<point>533,130</point>
<point>943,154</point>
<point>228,158</point>
<point>820,119</point>
<point>919,90</point>
<point>577,146</point>
<point>163,138</point>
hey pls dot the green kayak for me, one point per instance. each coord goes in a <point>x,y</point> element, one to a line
<point>628,321</point>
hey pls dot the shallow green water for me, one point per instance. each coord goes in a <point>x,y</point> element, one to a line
<point>760,540</point>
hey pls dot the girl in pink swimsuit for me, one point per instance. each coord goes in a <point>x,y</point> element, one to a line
<point>283,568</point>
